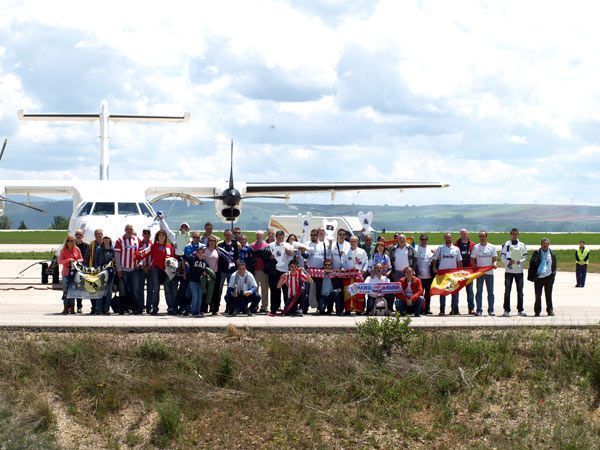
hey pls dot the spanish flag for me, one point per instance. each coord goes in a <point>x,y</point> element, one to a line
<point>450,281</point>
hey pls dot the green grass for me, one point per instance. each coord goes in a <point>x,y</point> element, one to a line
<point>33,237</point>
<point>436,238</point>
<point>523,388</point>
<point>41,256</point>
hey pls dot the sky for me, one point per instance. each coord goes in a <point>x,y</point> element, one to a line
<point>498,99</point>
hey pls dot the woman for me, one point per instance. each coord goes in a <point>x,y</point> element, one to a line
<point>104,255</point>
<point>212,256</point>
<point>380,256</point>
<point>160,250</point>
<point>69,254</point>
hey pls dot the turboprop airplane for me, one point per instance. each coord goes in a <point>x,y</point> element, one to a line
<point>111,204</point>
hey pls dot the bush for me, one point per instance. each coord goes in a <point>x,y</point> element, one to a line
<point>225,369</point>
<point>169,420</point>
<point>153,350</point>
<point>379,338</point>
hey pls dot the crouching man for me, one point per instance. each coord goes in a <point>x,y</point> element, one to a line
<point>378,277</point>
<point>241,291</point>
<point>410,300</point>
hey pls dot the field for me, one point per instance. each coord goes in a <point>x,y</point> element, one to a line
<point>382,386</point>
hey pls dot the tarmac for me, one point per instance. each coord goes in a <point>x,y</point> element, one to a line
<point>27,304</point>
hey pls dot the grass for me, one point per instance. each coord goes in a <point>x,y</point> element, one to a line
<point>522,388</point>
<point>33,237</point>
<point>40,256</point>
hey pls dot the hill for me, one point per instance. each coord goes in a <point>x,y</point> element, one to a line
<point>255,215</point>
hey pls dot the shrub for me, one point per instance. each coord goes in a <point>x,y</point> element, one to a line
<point>153,350</point>
<point>169,420</point>
<point>380,338</point>
<point>225,369</point>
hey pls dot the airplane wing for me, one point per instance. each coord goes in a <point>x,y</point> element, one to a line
<point>258,189</point>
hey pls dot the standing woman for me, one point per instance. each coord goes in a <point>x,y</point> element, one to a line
<point>160,250</point>
<point>69,254</point>
<point>102,256</point>
<point>212,258</point>
<point>380,256</point>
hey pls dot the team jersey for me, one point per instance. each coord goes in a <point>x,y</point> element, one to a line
<point>356,259</point>
<point>125,249</point>
<point>511,253</point>
<point>159,253</point>
<point>424,259</point>
<point>282,258</point>
<point>147,261</point>
<point>449,257</point>
<point>292,281</point>
<point>378,258</point>
<point>484,255</point>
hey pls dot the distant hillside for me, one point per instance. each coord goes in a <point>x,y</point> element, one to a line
<point>255,215</point>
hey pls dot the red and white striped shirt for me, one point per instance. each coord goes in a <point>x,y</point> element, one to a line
<point>293,280</point>
<point>146,261</point>
<point>125,249</point>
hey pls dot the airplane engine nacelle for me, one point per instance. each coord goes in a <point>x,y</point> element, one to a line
<point>229,206</point>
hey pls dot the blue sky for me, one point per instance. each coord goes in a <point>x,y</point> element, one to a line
<point>498,99</point>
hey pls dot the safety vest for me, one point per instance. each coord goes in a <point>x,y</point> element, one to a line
<point>581,255</point>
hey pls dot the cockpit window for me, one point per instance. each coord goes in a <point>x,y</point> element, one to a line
<point>128,208</point>
<point>85,209</point>
<point>145,209</point>
<point>104,209</point>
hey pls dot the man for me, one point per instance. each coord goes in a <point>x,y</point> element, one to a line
<point>328,294</point>
<point>355,259</point>
<point>261,277</point>
<point>402,256</point>
<point>376,277</point>
<point>144,274</point>
<point>246,253</point>
<point>582,257</point>
<point>447,256</point>
<point>542,271</point>
<point>465,245</point>
<point>424,272</point>
<point>317,253</point>
<point>339,250</point>
<point>282,253</point>
<point>241,290</point>
<point>321,233</point>
<point>410,299</point>
<point>125,250</point>
<point>84,248</point>
<point>367,246</point>
<point>229,249</point>
<point>95,245</point>
<point>513,255</point>
<point>293,280</point>
<point>270,235</point>
<point>484,254</point>
<point>208,232</point>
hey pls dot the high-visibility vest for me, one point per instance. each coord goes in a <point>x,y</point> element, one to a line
<point>582,254</point>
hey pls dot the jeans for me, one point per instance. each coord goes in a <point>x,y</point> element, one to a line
<point>129,286</point>
<point>426,282</point>
<point>454,303</point>
<point>508,278</point>
<point>580,273</point>
<point>67,302</point>
<point>224,277</point>
<point>170,286</point>
<point>103,304</point>
<point>275,292</point>
<point>240,303</point>
<point>416,307</point>
<point>470,297</point>
<point>489,284</point>
<point>145,278</point>
<point>389,298</point>
<point>546,284</point>
<point>196,292</point>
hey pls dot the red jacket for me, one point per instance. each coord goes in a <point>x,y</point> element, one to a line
<point>416,287</point>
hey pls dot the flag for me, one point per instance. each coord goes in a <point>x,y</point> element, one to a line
<point>450,281</point>
<point>89,282</point>
<point>374,288</point>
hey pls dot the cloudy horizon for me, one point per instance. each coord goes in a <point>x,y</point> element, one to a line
<point>497,99</point>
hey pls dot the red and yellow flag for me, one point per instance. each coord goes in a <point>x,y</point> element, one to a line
<point>450,281</point>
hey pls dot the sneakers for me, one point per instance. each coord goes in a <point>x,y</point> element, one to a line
<point>522,313</point>
<point>479,314</point>
<point>491,313</point>
<point>79,310</point>
<point>505,314</point>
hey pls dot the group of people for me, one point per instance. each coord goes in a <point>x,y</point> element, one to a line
<point>194,269</point>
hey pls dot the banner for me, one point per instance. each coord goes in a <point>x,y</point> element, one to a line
<point>374,288</point>
<point>334,273</point>
<point>89,282</point>
<point>450,281</point>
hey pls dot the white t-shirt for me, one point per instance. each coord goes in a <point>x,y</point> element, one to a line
<point>317,254</point>
<point>401,258</point>
<point>282,258</point>
<point>483,255</point>
<point>449,257</point>
<point>356,259</point>
<point>374,280</point>
<point>338,253</point>
<point>424,258</point>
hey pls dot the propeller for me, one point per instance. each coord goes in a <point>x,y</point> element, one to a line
<point>8,200</point>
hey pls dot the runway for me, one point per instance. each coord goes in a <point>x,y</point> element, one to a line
<point>24,303</point>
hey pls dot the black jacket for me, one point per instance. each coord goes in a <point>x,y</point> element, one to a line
<point>534,264</point>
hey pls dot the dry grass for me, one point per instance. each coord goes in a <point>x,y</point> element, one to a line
<point>243,389</point>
